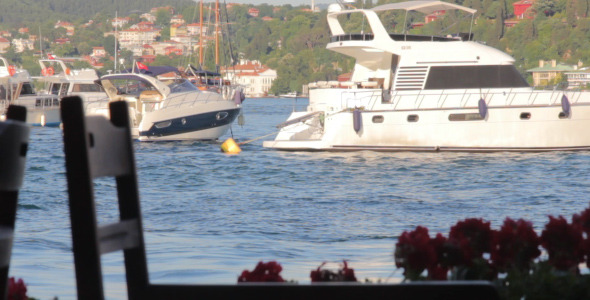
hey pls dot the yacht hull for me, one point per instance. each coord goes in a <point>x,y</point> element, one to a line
<point>41,111</point>
<point>208,123</point>
<point>503,129</point>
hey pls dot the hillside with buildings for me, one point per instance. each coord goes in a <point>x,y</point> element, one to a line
<point>276,48</point>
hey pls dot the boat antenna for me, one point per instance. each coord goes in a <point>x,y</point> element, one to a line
<point>201,35</point>
<point>40,42</point>
<point>116,36</point>
<point>471,26</point>
<point>217,36</point>
<point>363,25</point>
<point>405,25</point>
<point>231,51</point>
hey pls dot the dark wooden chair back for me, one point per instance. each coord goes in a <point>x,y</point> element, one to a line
<point>96,147</point>
<point>14,140</point>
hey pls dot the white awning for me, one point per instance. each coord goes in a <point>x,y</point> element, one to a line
<point>425,6</point>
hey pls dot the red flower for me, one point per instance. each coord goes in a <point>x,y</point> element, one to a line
<point>264,272</point>
<point>472,237</point>
<point>563,242</point>
<point>17,290</point>
<point>515,245</point>
<point>582,221</point>
<point>322,275</point>
<point>438,270</point>
<point>414,252</point>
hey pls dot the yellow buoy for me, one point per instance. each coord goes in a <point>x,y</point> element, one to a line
<point>230,146</point>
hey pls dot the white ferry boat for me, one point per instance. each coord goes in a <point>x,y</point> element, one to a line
<point>16,88</point>
<point>430,93</point>
<point>170,108</point>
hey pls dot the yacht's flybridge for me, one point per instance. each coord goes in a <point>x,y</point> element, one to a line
<point>402,61</point>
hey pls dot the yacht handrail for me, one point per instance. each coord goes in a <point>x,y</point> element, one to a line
<point>373,95</point>
<point>178,102</point>
<point>466,98</point>
<point>352,37</point>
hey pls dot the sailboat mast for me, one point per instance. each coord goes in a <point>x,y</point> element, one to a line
<point>217,36</point>
<point>40,42</point>
<point>201,35</point>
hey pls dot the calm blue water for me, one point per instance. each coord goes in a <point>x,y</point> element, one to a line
<point>208,215</point>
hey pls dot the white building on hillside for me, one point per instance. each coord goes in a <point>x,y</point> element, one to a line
<point>256,77</point>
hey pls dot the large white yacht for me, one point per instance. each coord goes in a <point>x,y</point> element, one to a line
<point>430,93</point>
<point>164,106</point>
<point>16,88</point>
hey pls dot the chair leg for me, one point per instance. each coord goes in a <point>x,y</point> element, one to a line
<point>7,220</point>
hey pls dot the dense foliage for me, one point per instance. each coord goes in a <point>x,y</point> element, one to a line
<point>293,42</point>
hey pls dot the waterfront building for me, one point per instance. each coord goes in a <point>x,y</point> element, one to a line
<point>256,77</point>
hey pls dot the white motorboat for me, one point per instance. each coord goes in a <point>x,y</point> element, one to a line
<point>430,93</point>
<point>62,81</point>
<point>16,88</point>
<point>289,95</point>
<point>171,108</point>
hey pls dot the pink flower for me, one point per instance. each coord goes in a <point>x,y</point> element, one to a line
<point>564,243</point>
<point>323,275</point>
<point>264,272</point>
<point>414,252</point>
<point>515,245</point>
<point>17,290</point>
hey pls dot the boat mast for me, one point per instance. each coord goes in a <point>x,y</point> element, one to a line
<point>40,42</point>
<point>116,36</point>
<point>201,35</point>
<point>217,36</point>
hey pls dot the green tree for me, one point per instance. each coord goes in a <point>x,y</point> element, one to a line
<point>163,17</point>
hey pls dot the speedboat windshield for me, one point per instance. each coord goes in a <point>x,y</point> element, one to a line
<point>180,85</point>
<point>132,87</point>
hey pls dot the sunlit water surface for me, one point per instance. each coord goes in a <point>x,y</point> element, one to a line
<point>208,215</point>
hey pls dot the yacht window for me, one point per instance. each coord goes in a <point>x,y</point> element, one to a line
<point>86,88</point>
<point>38,102</point>
<point>471,77</point>
<point>27,89</point>
<point>525,116</point>
<point>413,118</point>
<point>64,89</point>
<point>378,119</point>
<point>181,85</point>
<point>55,88</point>
<point>465,117</point>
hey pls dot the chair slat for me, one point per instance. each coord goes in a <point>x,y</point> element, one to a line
<point>118,236</point>
<point>14,140</point>
<point>106,147</point>
<point>6,238</point>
